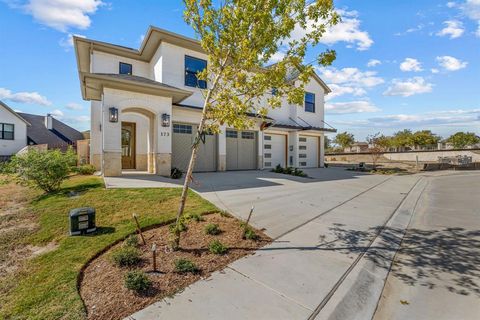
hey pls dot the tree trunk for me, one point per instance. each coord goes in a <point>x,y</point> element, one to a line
<point>191,165</point>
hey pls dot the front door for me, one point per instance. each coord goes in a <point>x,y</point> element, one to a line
<point>128,145</point>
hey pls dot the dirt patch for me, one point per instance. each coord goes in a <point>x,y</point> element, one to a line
<point>102,287</point>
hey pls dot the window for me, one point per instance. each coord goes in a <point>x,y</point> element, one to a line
<point>302,147</point>
<point>182,128</point>
<point>125,68</point>
<point>268,164</point>
<point>6,131</point>
<point>248,135</point>
<point>268,155</point>
<point>267,137</point>
<point>192,67</point>
<point>231,134</point>
<point>309,102</point>
<point>302,155</point>
<point>268,146</point>
<point>303,164</point>
<point>274,91</point>
<point>302,139</point>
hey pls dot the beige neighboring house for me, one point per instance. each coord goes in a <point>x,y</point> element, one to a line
<point>146,104</point>
<point>13,131</point>
<point>357,147</point>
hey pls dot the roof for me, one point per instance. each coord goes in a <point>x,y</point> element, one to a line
<point>296,126</point>
<point>93,84</point>
<point>13,112</point>
<point>61,134</point>
<point>294,73</point>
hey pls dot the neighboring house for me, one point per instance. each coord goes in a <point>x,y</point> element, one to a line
<point>146,104</point>
<point>13,131</point>
<point>50,131</point>
<point>357,147</point>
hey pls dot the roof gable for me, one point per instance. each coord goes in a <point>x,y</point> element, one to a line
<point>13,112</point>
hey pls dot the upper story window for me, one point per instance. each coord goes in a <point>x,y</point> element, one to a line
<point>192,67</point>
<point>274,91</point>
<point>6,131</point>
<point>125,68</point>
<point>309,102</point>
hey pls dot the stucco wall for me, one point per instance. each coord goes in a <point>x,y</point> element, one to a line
<point>10,147</point>
<point>430,156</point>
<point>109,63</point>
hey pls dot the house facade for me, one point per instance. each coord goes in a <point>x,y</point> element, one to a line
<point>146,104</point>
<point>13,131</point>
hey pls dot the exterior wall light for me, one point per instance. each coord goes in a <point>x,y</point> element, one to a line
<point>113,114</point>
<point>165,120</point>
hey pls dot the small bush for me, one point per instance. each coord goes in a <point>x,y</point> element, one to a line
<point>180,228</point>
<point>195,217</point>
<point>131,241</point>
<point>216,247</point>
<point>225,214</point>
<point>176,173</point>
<point>278,169</point>
<point>212,229</point>
<point>137,280</point>
<point>86,169</point>
<point>288,170</point>
<point>249,234</point>
<point>185,266</point>
<point>299,173</point>
<point>325,165</point>
<point>126,257</point>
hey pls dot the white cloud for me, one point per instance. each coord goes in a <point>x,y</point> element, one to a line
<point>350,77</point>
<point>348,30</point>
<point>373,63</point>
<point>276,57</point>
<point>410,30</point>
<point>471,8</point>
<point>338,90</point>
<point>74,106</point>
<point>411,64</point>
<point>360,106</point>
<point>408,87</point>
<point>67,42</point>
<point>451,4</point>
<point>57,113</point>
<point>434,70</point>
<point>450,63</point>
<point>453,28</point>
<point>477,33</point>
<point>61,14</point>
<point>24,97</point>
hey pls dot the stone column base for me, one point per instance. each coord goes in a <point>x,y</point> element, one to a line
<point>112,164</point>
<point>151,163</point>
<point>96,161</point>
<point>164,164</point>
<point>260,162</point>
<point>141,162</point>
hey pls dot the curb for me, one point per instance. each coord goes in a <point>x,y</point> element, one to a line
<point>358,295</point>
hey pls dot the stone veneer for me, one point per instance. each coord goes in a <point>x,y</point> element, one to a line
<point>164,164</point>
<point>112,164</point>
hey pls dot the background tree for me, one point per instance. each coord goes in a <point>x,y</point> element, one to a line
<point>240,37</point>
<point>377,145</point>
<point>402,139</point>
<point>424,138</point>
<point>344,139</point>
<point>460,140</point>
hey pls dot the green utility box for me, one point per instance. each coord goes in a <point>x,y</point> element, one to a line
<point>82,221</point>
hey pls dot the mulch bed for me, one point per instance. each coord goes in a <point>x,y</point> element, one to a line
<point>102,286</point>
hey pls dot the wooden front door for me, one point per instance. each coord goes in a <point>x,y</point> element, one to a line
<point>128,145</point>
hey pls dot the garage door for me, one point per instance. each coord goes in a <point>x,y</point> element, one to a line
<point>241,150</point>
<point>274,150</point>
<point>308,152</point>
<point>182,140</point>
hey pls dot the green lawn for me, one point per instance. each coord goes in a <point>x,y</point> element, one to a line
<point>47,288</point>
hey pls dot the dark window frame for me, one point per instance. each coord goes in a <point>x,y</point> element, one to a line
<point>189,75</point>
<point>231,134</point>
<point>120,64</point>
<point>182,128</point>
<point>248,135</point>
<point>309,102</point>
<point>2,131</point>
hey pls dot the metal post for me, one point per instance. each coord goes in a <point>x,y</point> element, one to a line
<point>139,231</point>
<point>154,257</point>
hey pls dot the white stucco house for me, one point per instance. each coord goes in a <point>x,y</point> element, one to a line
<point>146,103</point>
<point>13,131</point>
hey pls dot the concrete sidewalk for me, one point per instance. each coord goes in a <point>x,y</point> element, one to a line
<point>288,279</point>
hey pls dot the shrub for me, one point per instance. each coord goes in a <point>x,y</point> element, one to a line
<point>137,280</point>
<point>185,266</point>
<point>126,256</point>
<point>131,241</point>
<point>216,247</point>
<point>42,169</point>
<point>196,217</point>
<point>225,214</point>
<point>85,169</point>
<point>288,170</point>
<point>176,173</point>
<point>212,229</point>
<point>180,228</point>
<point>278,169</point>
<point>249,234</point>
<point>325,165</point>
<point>299,173</point>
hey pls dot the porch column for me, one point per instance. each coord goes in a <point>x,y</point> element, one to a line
<point>222,149</point>
<point>260,150</point>
<point>112,144</point>
<point>292,149</point>
<point>163,136</point>
<point>151,145</point>
<point>322,151</point>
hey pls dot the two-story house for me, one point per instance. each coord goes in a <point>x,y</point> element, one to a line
<point>146,104</point>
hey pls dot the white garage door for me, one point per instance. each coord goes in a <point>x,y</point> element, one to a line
<point>308,152</point>
<point>274,150</point>
<point>241,150</point>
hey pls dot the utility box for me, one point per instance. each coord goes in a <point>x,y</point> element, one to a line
<point>82,221</point>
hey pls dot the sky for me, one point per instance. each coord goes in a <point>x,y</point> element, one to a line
<point>400,64</point>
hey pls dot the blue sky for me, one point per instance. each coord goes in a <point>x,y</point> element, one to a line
<point>400,64</point>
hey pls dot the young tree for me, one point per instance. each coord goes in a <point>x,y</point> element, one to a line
<point>424,138</point>
<point>344,139</point>
<point>377,146</point>
<point>460,140</point>
<point>240,37</point>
